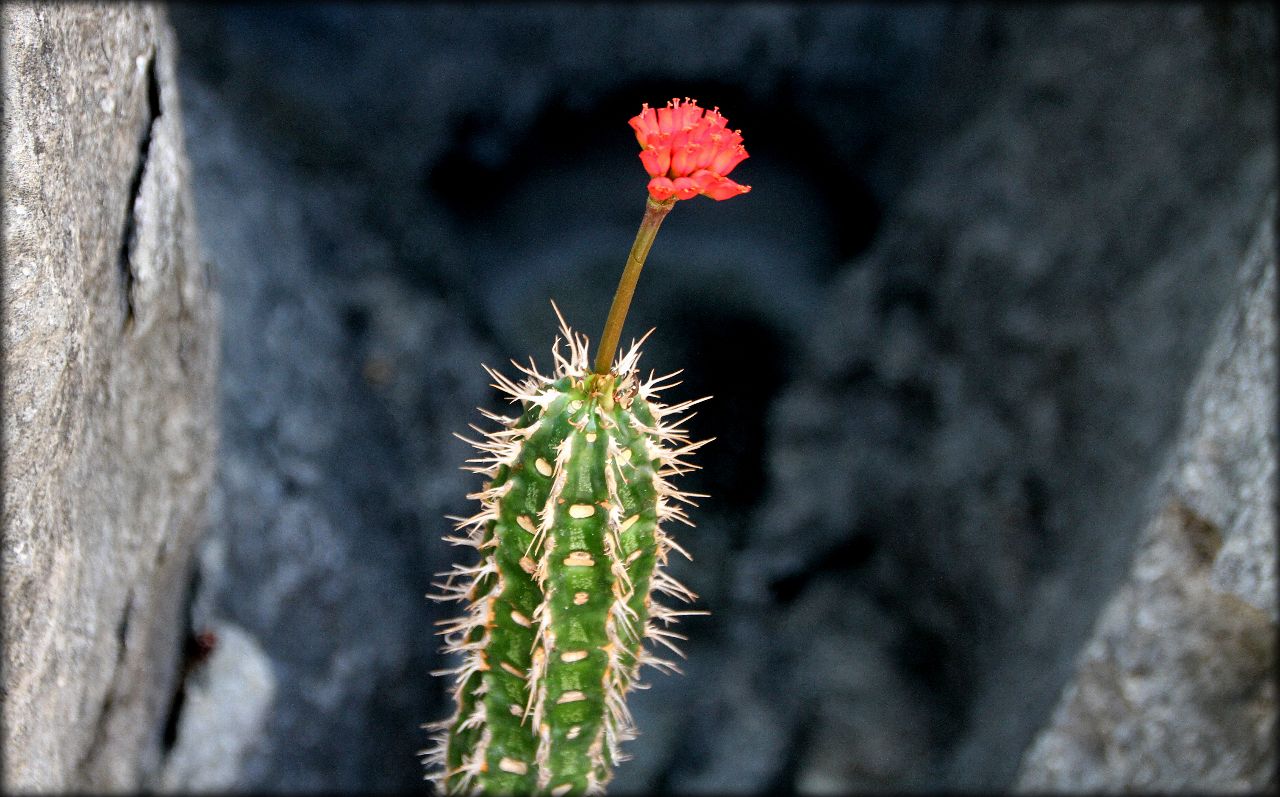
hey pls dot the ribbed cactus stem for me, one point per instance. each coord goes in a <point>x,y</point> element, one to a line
<point>559,604</point>
<point>654,212</point>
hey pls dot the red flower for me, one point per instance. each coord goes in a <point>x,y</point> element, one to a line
<point>688,151</point>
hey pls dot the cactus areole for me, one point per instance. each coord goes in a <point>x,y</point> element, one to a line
<point>560,604</point>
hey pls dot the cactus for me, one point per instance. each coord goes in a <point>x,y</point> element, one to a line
<point>571,548</point>
<point>569,533</point>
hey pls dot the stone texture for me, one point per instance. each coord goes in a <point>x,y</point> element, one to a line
<point>1227,458</point>
<point>969,294</point>
<point>991,390</point>
<point>1176,688</point>
<point>225,702</point>
<point>950,334</point>
<point>108,414</point>
<point>339,393</point>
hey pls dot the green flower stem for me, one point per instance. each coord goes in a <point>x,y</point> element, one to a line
<point>654,212</point>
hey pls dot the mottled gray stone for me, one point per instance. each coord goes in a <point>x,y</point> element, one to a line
<point>932,460</point>
<point>1176,688</point>
<point>109,415</point>
<point>226,700</point>
<point>338,398</point>
<point>990,391</point>
<point>1227,462</point>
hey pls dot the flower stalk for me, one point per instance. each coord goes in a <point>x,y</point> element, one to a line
<point>570,545</point>
<point>654,212</point>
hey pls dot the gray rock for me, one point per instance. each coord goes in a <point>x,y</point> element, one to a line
<point>1176,688</point>
<point>963,442</point>
<point>1227,462</point>
<point>109,415</point>
<point>932,460</point>
<point>974,437</point>
<point>338,393</point>
<point>225,703</point>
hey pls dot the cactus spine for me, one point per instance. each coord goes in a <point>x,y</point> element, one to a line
<point>559,604</point>
<point>569,534</point>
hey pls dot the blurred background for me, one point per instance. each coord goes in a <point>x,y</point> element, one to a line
<point>950,336</point>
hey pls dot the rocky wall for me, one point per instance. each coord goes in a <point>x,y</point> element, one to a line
<point>110,360</point>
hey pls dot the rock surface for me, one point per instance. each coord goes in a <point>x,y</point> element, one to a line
<point>338,398</point>
<point>970,446</point>
<point>950,334</point>
<point>225,702</point>
<point>109,366</point>
<point>1176,688</point>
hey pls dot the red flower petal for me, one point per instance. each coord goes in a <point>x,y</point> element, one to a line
<point>724,188</point>
<point>681,162</point>
<point>691,113</point>
<point>666,119</point>
<point>656,161</point>
<point>707,150</point>
<point>679,140</point>
<point>725,160</point>
<point>686,188</point>
<point>645,124</point>
<point>661,187</point>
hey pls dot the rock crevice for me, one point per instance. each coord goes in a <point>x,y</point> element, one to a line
<point>110,356</point>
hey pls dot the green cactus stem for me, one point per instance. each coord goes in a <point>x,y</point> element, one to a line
<point>560,603</point>
<point>569,533</point>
